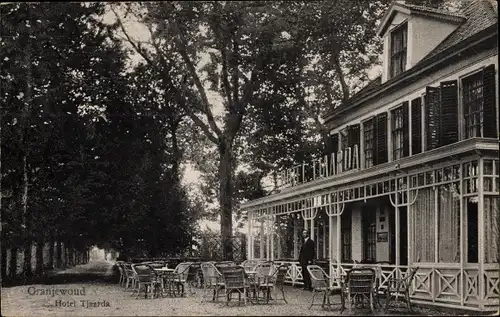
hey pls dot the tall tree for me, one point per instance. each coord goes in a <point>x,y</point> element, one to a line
<point>242,39</point>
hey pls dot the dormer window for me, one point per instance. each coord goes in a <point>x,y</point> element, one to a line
<point>398,49</point>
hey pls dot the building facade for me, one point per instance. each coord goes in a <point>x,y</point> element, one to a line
<point>410,176</point>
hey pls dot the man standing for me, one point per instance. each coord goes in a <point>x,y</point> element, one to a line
<point>306,257</point>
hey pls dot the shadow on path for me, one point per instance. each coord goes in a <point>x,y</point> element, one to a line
<point>97,271</point>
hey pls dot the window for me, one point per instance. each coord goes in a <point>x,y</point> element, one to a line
<point>397,133</point>
<point>346,237</point>
<point>479,104</point>
<point>398,50</point>
<point>473,105</point>
<point>368,135</point>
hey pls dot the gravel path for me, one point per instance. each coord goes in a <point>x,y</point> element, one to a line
<point>77,299</point>
<point>23,300</point>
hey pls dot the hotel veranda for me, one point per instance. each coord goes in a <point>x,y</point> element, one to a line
<point>411,177</point>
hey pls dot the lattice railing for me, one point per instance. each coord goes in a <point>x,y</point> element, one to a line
<point>442,284</point>
<point>448,287</point>
<point>471,286</point>
<point>491,285</point>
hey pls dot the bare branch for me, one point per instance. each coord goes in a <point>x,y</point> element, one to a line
<point>197,82</point>
<point>340,74</point>
<point>180,99</point>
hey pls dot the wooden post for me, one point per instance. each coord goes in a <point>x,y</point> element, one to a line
<point>398,229</point>
<point>249,234</point>
<point>480,220</point>
<point>338,238</point>
<point>324,238</point>
<point>312,222</point>
<point>295,237</point>
<point>409,250</point>
<point>261,253</point>
<point>436,224</point>
<point>462,237</point>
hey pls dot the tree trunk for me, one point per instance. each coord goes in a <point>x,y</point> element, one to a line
<point>13,262</point>
<point>39,256</point>
<point>226,200</point>
<point>27,272</point>
<point>175,150</point>
<point>59,254</point>
<point>69,252</point>
<point>4,262</point>
<point>28,239</point>
<point>51,253</point>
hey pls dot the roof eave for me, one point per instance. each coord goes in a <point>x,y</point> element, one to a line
<point>444,55</point>
<point>382,28</point>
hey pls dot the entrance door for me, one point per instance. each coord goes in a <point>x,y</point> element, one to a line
<point>369,235</point>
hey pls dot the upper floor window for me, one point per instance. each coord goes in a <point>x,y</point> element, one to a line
<point>397,133</point>
<point>473,105</point>
<point>368,136</point>
<point>398,49</point>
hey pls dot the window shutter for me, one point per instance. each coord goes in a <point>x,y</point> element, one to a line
<point>380,155</point>
<point>489,103</point>
<point>406,130</point>
<point>332,145</point>
<point>449,113</point>
<point>416,126</point>
<point>354,134</point>
<point>432,116</point>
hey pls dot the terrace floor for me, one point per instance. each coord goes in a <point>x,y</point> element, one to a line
<point>23,301</point>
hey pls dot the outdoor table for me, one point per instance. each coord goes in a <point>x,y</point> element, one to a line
<point>254,280</point>
<point>165,273</point>
<point>251,275</point>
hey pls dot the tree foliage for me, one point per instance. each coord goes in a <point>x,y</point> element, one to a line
<point>102,158</point>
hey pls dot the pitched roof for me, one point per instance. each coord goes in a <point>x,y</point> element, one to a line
<point>442,14</point>
<point>424,9</point>
<point>479,15</point>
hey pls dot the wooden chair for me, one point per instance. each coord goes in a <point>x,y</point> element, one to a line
<point>123,276</point>
<point>378,282</point>
<point>234,282</point>
<point>180,277</point>
<point>358,287</point>
<point>320,282</point>
<point>277,282</point>
<point>399,289</point>
<point>212,280</point>
<point>146,279</point>
<point>263,271</point>
<point>192,279</point>
<point>129,276</point>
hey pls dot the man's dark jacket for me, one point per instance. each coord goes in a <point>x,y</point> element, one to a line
<point>306,254</point>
